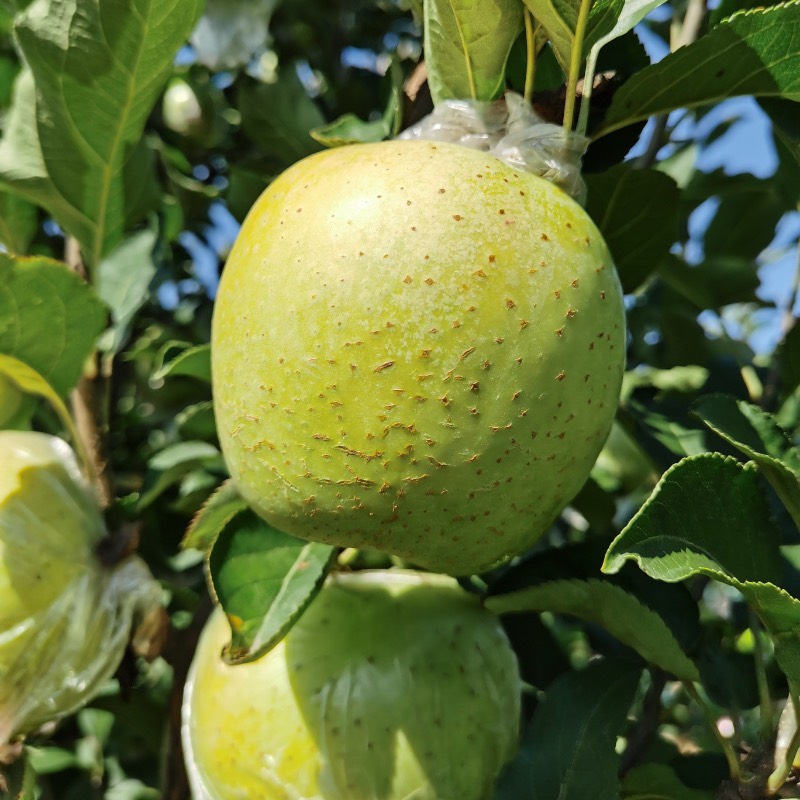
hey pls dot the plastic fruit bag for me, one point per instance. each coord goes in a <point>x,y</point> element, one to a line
<point>65,618</point>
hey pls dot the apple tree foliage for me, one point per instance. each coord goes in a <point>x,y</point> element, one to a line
<point>657,625</point>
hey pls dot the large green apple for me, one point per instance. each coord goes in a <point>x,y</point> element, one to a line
<point>416,349</point>
<point>64,618</point>
<point>391,686</point>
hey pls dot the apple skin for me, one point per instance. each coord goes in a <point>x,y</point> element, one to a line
<point>391,685</point>
<point>65,619</point>
<point>416,349</point>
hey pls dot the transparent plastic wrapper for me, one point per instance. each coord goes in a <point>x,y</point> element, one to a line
<point>510,130</point>
<point>232,32</point>
<point>787,727</point>
<point>392,685</point>
<point>65,619</point>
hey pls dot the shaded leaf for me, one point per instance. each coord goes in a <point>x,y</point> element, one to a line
<point>30,381</point>
<point>744,223</point>
<point>264,579</point>
<point>123,280</point>
<point>467,43</point>
<point>174,462</point>
<point>708,516</point>
<point>19,779</point>
<point>610,606</point>
<point>350,129</point>
<point>658,782</point>
<point>757,434</point>
<point>714,283</point>
<point>751,53</point>
<point>728,677</point>
<point>98,68</point>
<point>38,295</point>
<point>220,508</point>
<point>191,362</point>
<point>636,210</point>
<point>18,223</point>
<point>687,524</point>
<point>568,750</point>
<point>278,117</point>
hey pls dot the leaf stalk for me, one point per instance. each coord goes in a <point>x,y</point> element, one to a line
<point>576,59</point>
<point>530,47</point>
<point>734,766</point>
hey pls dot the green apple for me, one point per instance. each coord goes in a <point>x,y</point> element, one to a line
<point>416,349</point>
<point>392,685</point>
<point>64,618</point>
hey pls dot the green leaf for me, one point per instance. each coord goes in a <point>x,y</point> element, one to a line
<point>788,357</point>
<point>714,283</point>
<point>28,380</point>
<point>559,18</point>
<point>610,606</point>
<point>752,53</point>
<point>658,782</point>
<point>629,16</point>
<point>349,129</point>
<point>728,677</point>
<point>467,43</point>
<point>264,580</point>
<point>174,462</point>
<point>18,223</point>
<point>122,280</point>
<point>75,146</point>
<point>220,508</point>
<point>757,434</point>
<point>708,516</point>
<point>568,749</point>
<point>636,210</point>
<point>196,421</point>
<point>744,224</point>
<point>278,117</point>
<point>49,318</point>
<point>191,362</point>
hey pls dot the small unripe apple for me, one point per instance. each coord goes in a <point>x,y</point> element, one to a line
<point>64,618</point>
<point>416,349</point>
<point>391,686</point>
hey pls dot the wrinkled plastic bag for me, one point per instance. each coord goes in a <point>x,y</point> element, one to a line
<point>65,619</point>
<point>232,32</point>
<point>510,130</point>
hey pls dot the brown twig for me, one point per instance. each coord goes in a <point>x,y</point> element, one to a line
<point>89,402</point>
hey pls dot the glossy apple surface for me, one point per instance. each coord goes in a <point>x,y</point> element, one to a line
<point>391,685</point>
<point>416,349</point>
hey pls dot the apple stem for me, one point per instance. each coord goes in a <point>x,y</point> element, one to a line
<point>530,43</point>
<point>576,59</point>
<point>765,701</point>
<point>734,765</point>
